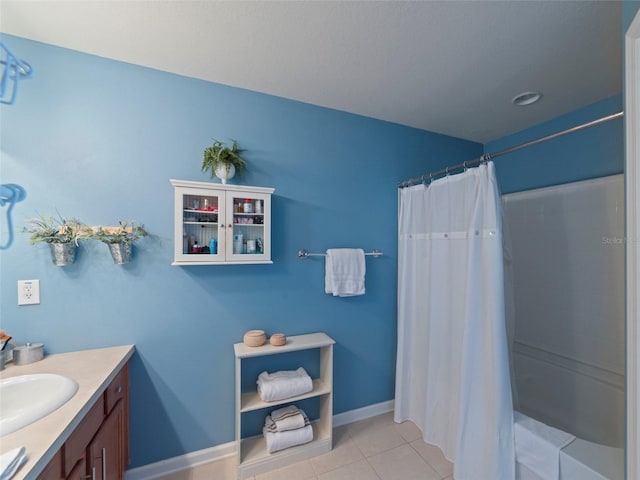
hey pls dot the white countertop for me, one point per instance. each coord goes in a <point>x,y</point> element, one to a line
<point>93,370</point>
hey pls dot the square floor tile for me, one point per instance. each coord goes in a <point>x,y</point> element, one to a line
<point>296,471</point>
<point>372,441</point>
<point>409,431</point>
<point>402,463</point>
<point>360,470</point>
<point>343,453</point>
<point>434,457</point>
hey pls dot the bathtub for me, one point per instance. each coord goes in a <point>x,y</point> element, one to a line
<point>583,460</point>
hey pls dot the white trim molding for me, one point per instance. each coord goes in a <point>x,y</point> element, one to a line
<point>182,462</point>
<point>632,161</point>
<point>362,413</point>
<point>220,452</point>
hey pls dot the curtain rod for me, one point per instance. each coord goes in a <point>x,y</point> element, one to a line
<point>488,156</point>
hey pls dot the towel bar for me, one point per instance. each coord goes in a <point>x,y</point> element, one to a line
<point>305,254</point>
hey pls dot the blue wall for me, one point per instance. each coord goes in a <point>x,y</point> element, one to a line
<point>590,153</point>
<point>99,140</point>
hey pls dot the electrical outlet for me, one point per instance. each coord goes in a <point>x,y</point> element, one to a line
<point>28,292</point>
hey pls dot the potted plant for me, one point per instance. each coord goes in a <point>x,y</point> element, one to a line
<point>62,236</point>
<point>119,239</point>
<point>223,161</point>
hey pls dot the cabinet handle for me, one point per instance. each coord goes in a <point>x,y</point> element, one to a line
<point>104,463</point>
<point>93,473</point>
<point>119,389</point>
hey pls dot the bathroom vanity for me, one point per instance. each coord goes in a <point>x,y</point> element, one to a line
<point>88,436</point>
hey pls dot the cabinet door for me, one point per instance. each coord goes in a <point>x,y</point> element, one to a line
<point>199,219</point>
<point>105,452</point>
<point>76,445</point>
<point>53,471</point>
<point>79,471</point>
<point>248,227</point>
<point>118,391</point>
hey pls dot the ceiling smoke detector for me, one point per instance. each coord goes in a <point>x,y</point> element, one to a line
<point>527,98</point>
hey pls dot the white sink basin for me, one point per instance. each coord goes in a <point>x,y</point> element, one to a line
<point>28,398</point>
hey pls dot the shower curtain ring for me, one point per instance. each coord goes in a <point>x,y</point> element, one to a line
<point>446,171</point>
<point>464,165</point>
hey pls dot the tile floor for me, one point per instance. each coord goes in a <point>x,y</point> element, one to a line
<point>372,449</point>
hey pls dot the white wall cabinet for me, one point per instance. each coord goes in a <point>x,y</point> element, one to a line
<point>218,224</point>
<point>252,455</point>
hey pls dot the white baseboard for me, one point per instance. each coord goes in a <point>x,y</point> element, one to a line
<point>182,462</point>
<point>208,455</point>
<point>362,413</point>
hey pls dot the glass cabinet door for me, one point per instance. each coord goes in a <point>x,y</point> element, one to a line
<point>202,225</point>
<point>217,224</point>
<point>248,215</point>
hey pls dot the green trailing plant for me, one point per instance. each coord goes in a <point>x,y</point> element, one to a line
<point>51,230</point>
<point>126,232</point>
<point>221,154</point>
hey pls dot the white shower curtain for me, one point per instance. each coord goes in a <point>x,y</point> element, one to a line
<point>452,372</point>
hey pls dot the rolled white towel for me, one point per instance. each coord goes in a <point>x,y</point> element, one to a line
<point>277,441</point>
<point>283,384</point>
<point>288,418</point>
<point>11,461</point>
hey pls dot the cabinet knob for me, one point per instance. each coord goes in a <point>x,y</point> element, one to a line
<point>230,225</point>
<point>222,225</point>
<point>119,389</point>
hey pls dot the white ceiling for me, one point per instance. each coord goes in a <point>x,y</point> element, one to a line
<point>450,67</point>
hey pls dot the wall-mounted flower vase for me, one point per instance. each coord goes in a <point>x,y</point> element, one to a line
<point>121,252</point>
<point>63,254</point>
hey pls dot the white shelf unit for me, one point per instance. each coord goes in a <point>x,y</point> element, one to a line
<point>252,455</point>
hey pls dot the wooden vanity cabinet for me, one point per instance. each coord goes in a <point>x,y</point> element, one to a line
<point>117,393</point>
<point>105,454</point>
<point>79,471</point>
<point>98,449</point>
<point>53,470</point>
<point>75,448</point>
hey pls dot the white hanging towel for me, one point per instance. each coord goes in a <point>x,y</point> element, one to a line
<point>344,272</point>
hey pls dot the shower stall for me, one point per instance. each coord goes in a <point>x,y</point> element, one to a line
<point>559,283</point>
<point>567,266</point>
